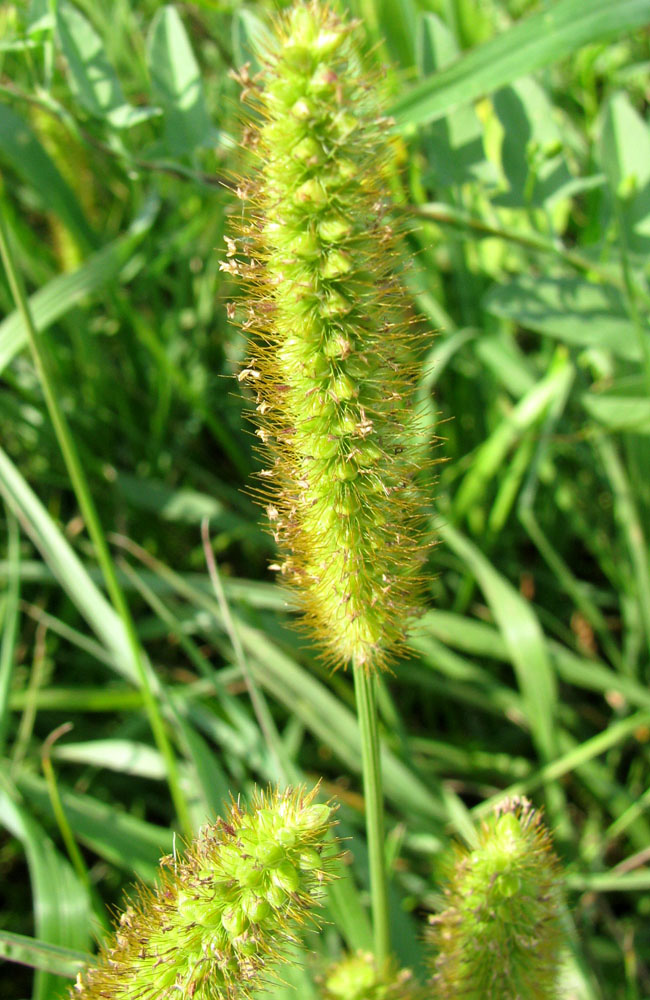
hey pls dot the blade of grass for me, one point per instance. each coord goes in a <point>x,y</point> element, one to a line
<point>41,955</point>
<point>9,625</point>
<point>95,530</point>
<point>125,841</point>
<point>61,293</point>
<point>62,913</point>
<point>627,515</point>
<point>525,642</point>
<point>551,33</point>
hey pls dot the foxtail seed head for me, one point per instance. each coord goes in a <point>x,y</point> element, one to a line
<point>499,936</point>
<point>224,913</point>
<point>358,977</point>
<point>331,349</point>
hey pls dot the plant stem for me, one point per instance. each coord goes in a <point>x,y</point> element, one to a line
<point>450,216</point>
<point>364,686</point>
<point>94,528</point>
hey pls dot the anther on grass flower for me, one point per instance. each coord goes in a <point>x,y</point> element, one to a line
<point>499,937</point>
<point>224,913</point>
<point>331,345</point>
<point>360,977</point>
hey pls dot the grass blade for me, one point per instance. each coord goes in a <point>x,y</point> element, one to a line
<point>552,33</point>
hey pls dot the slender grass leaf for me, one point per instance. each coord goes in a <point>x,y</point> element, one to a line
<point>571,310</point>
<point>480,639</point>
<point>552,33</point>
<point>65,565</point>
<point>63,292</point>
<point>454,145</point>
<point>333,723</point>
<point>529,410</point>
<point>523,638</point>
<point>397,20</point>
<point>62,910</point>
<point>125,841</point>
<point>41,955</point>
<point>123,756</point>
<point>20,148</point>
<point>9,625</point>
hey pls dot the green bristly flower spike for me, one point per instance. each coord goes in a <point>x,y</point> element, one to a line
<point>499,937</point>
<point>224,914</point>
<point>360,977</point>
<point>331,344</point>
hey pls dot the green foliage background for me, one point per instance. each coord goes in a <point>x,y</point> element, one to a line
<point>522,171</point>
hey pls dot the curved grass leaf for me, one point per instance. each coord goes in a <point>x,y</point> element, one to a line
<point>552,33</point>
<point>41,955</point>
<point>523,638</point>
<point>62,910</point>
<point>63,292</point>
<point>20,148</point>
<point>130,843</point>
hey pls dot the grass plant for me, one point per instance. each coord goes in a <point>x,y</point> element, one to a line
<point>517,169</point>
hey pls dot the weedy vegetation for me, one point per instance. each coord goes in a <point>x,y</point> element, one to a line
<point>410,307</point>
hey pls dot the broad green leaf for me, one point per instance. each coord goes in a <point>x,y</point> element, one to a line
<point>570,309</point>
<point>625,155</point>
<point>622,406</point>
<point>41,955</point>
<point>176,84</point>
<point>188,506</point>
<point>454,145</point>
<point>551,33</point>
<point>20,148</point>
<point>250,38</point>
<point>535,172</point>
<point>92,78</point>
<point>62,910</point>
<point>64,291</point>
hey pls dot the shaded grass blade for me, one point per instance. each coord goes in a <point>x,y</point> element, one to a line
<point>552,33</point>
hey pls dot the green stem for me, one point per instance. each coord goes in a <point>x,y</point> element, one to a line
<point>94,528</point>
<point>364,686</point>
<point>450,216</point>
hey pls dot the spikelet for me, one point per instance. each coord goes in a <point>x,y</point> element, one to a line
<point>331,345</point>
<point>225,913</point>
<point>358,977</point>
<point>499,937</point>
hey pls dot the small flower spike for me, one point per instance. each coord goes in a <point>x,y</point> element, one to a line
<point>224,914</point>
<point>358,977</point>
<point>499,937</point>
